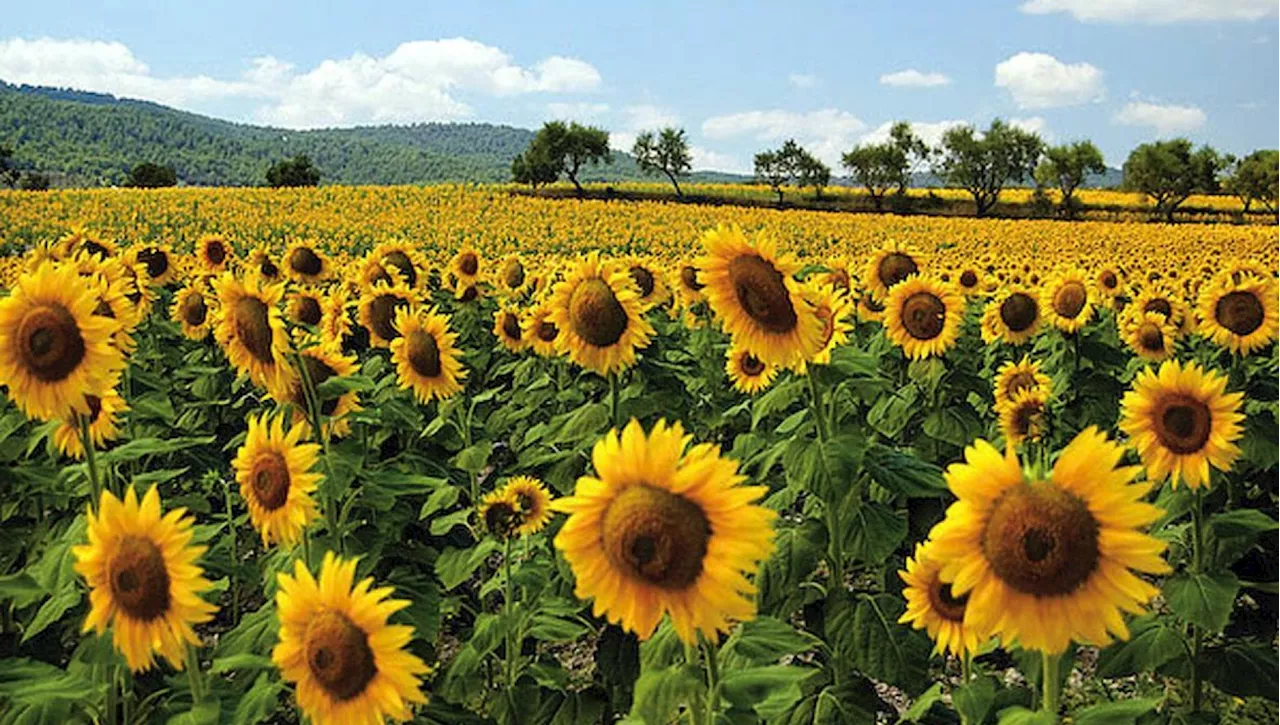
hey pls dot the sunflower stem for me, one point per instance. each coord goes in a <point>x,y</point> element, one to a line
<point>1197,565</point>
<point>233,585</point>
<point>713,677</point>
<point>966,668</point>
<point>508,606</point>
<point>613,399</point>
<point>193,675</point>
<point>1051,683</point>
<point>816,404</point>
<point>91,460</point>
<point>322,437</point>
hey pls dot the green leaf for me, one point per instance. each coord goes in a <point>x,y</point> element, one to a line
<point>660,692</point>
<point>30,682</point>
<point>20,589</point>
<point>1123,712</point>
<point>205,713</point>
<point>441,498</point>
<point>457,565</point>
<point>1232,533</point>
<point>475,458</point>
<point>765,640</point>
<point>874,531</point>
<point>1019,715</point>
<point>1152,644</point>
<point>133,450</point>
<point>1243,669</point>
<point>775,400</point>
<point>771,691</point>
<point>257,704</point>
<point>257,632</point>
<point>441,525</point>
<point>794,559</point>
<point>1203,599</point>
<point>555,629</point>
<point>880,647</point>
<point>923,704</point>
<point>902,473</point>
<point>973,701</point>
<point>956,424</point>
<point>243,661</point>
<point>52,610</point>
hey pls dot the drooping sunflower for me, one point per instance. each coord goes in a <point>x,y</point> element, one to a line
<point>931,606</point>
<point>891,264</point>
<point>833,307</point>
<point>543,332</point>
<point>262,262</point>
<point>1150,335</point>
<point>305,307</point>
<point>533,502</point>
<point>754,295</point>
<point>1012,378</point>
<point>1013,317</point>
<point>1242,315</point>
<point>321,362</point>
<point>747,372</point>
<point>598,313</point>
<point>143,578</point>
<point>426,358</point>
<point>1024,416</point>
<point>158,261</point>
<point>274,472</point>
<point>191,310</point>
<point>214,253</point>
<point>112,304</point>
<point>347,663</point>
<point>251,330</point>
<point>509,329</point>
<point>1045,562</point>
<point>499,511</point>
<point>465,267</point>
<point>54,351</point>
<point>1066,301</point>
<point>306,263</point>
<point>664,530</point>
<point>379,306</point>
<point>1181,421</point>
<point>922,316</point>
<point>102,424</point>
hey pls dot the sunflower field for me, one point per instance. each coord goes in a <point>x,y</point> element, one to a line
<point>453,455</point>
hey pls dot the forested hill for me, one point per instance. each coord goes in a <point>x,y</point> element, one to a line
<point>82,138</point>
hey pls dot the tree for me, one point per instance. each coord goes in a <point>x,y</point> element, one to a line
<point>34,181</point>
<point>147,175</point>
<point>791,164</point>
<point>297,171</point>
<point>1254,178</point>
<point>535,166</point>
<point>1168,172</point>
<point>1065,167</point>
<point>668,154</point>
<point>773,169</point>
<point>811,172</point>
<point>567,148</point>
<point>983,165</point>
<point>8,171</point>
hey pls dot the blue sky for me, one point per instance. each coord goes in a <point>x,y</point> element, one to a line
<point>740,77</point>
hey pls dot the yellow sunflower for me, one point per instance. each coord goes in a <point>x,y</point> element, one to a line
<point>688,284</point>
<point>335,321</point>
<point>533,502</point>
<point>1150,335</point>
<point>273,470</point>
<point>747,373</point>
<point>1024,417</point>
<point>511,278</point>
<point>891,264</point>
<point>1159,299</point>
<point>403,259</point>
<point>648,283</point>
<point>305,307</point>
<point>1241,316</point>
<point>348,664</point>
<point>753,293</point>
<point>922,316</point>
<point>1109,283</point>
<point>499,511</point>
<point>379,306</point>
<point>931,605</point>
<point>543,332</point>
<point>54,351</point>
<point>251,329</point>
<point>102,424</point>
<point>322,361</point>
<point>465,267</point>
<point>157,260</point>
<point>1045,562</point>
<point>426,359</point>
<point>870,309</point>
<point>1013,317</point>
<point>214,253</point>
<point>509,329</point>
<point>832,306</point>
<point>191,310</point>
<point>1181,421</point>
<point>261,262</point>
<point>306,263</point>
<point>598,313</point>
<point>664,530</point>
<point>1066,301</point>
<point>1012,378</point>
<point>143,578</point>
<point>969,281</point>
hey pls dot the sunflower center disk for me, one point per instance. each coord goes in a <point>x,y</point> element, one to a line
<point>253,329</point>
<point>49,342</point>
<point>271,480</point>
<point>1070,300</point>
<point>513,274</point>
<point>423,353</point>
<point>305,261</point>
<point>156,261</point>
<point>1024,418</point>
<point>1158,305</point>
<point>657,536</point>
<point>501,519</point>
<point>269,269</point>
<point>643,279</point>
<point>751,365</point>
<point>194,310</point>
<point>309,311</point>
<point>896,267</point>
<point>382,312</point>
<point>339,656</point>
<point>215,252</point>
<point>948,605</point>
<point>511,326</point>
<point>401,262</point>
<point>762,293</point>
<point>139,579</point>
<point>596,314</point>
<point>547,331</point>
<point>1109,279</point>
<point>1239,312</point>
<point>1041,540</point>
<point>968,278</point>
<point>469,264</point>
<point>689,277</point>
<point>1020,382</point>
<point>1150,337</point>
<point>923,315</point>
<point>1183,424</point>
<point>1019,311</point>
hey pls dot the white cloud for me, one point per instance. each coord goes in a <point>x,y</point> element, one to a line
<point>803,80</point>
<point>1167,120</point>
<point>704,159</point>
<point>912,78</point>
<point>1153,11</point>
<point>1039,80</point>
<point>929,131</point>
<point>637,118</point>
<point>418,81</point>
<point>826,134</point>
<point>576,111</point>
<point>1034,124</point>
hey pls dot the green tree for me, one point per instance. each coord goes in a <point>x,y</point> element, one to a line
<point>1004,154</point>
<point>569,147</point>
<point>1064,167</point>
<point>8,171</point>
<point>668,153</point>
<point>147,175</point>
<point>811,172</point>
<point>1168,172</point>
<point>1255,179</point>
<point>535,166</point>
<point>297,171</point>
<point>773,170</point>
<point>34,181</point>
<point>877,167</point>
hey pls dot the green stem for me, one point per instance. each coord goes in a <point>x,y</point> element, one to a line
<point>1197,565</point>
<point>966,668</point>
<point>91,459</point>
<point>194,675</point>
<point>322,437</point>
<point>235,555</point>
<point>1052,683</point>
<point>816,405</point>
<point>713,677</point>
<point>613,399</point>
<point>508,606</point>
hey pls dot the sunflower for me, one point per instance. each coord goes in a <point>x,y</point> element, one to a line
<point>273,470</point>
<point>1045,562</point>
<point>1023,417</point>
<point>306,263</point>
<point>747,373</point>
<point>261,262</point>
<point>1012,317</point>
<point>157,260</point>
<point>752,291</point>
<point>688,284</point>
<point>661,529</point>
<point>322,361</point>
<point>465,267</point>
<point>1242,315</point>
<point>379,306</point>
<point>251,330</point>
<point>598,313</point>
<point>653,291</point>
<point>112,304</point>
<point>190,309</point>
<point>922,316</point>
<point>54,351</point>
<point>832,306</point>
<point>1012,378</point>
<point>509,330</point>
<point>543,332</point>
<point>1149,334</point>
<point>870,309</point>
<point>1109,283</point>
<point>1066,300</point>
<point>102,424</point>
<point>499,511</point>
<point>511,278</point>
<point>373,272</point>
<point>214,253</point>
<point>1158,299</point>
<point>837,275</point>
<point>891,264</point>
<point>305,307</point>
<point>969,281</point>
<point>403,259</point>
<point>533,502</point>
<point>143,578</point>
<point>1181,421</point>
<point>931,605</point>
<point>425,356</point>
<point>348,664</point>
<point>335,322</point>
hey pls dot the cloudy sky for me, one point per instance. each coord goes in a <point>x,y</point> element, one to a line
<point>739,77</point>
